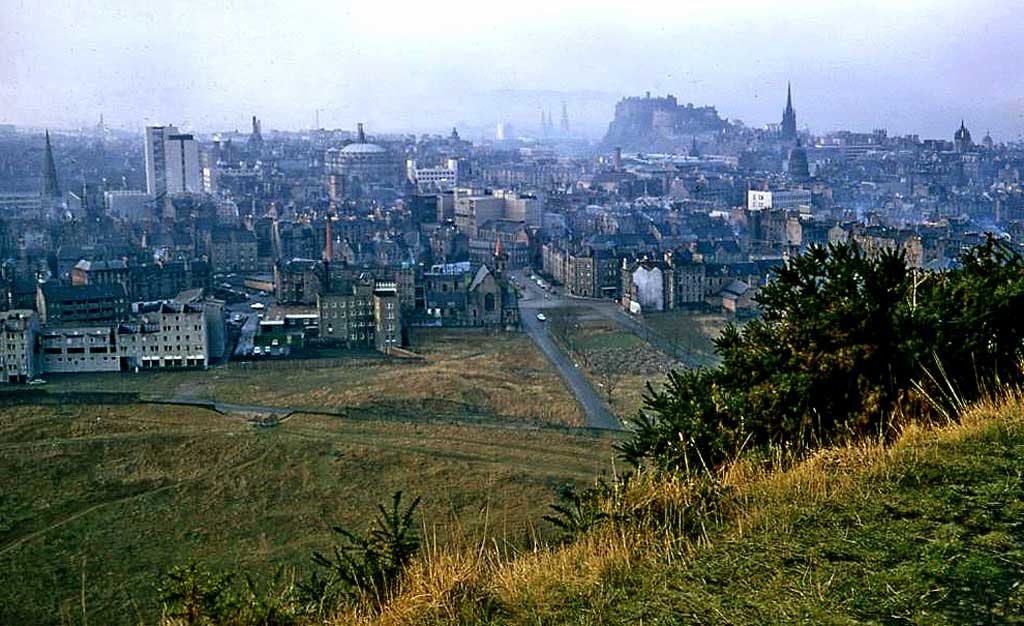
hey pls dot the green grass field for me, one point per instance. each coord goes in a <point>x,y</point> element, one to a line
<point>465,372</point>
<point>105,499</point>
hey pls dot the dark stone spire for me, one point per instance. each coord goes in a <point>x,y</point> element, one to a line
<point>256,136</point>
<point>962,138</point>
<point>51,190</point>
<point>789,116</point>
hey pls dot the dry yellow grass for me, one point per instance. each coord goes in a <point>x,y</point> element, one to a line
<point>465,372</point>
<point>610,356</point>
<point>447,583</point>
<point>131,490</point>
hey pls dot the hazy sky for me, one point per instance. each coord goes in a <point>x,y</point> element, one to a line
<point>907,65</point>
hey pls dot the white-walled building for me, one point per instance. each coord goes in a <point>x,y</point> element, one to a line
<point>438,178</point>
<point>522,207</point>
<point>778,199</point>
<point>160,335</point>
<point>181,154</point>
<point>64,350</point>
<point>167,335</point>
<point>172,162</point>
<point>156,166</point>
<point>126,204</point>
<point>474,208</point>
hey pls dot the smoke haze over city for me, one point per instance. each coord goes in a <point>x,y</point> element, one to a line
<point>913,67</point>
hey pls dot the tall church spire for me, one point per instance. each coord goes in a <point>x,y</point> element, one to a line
<point>51,190</point>
<point>788,130</point>
<point>500,258</point>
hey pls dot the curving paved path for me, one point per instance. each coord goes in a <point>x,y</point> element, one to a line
<point>595,410</point>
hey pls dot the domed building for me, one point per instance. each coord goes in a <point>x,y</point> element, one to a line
<point>361,165</point>
<point>987,142</point>
<point>799,169</point>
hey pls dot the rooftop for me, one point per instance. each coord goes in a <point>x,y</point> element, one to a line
<point>363,148</point>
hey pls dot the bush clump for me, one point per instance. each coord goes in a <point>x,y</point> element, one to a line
<point>846,343</point>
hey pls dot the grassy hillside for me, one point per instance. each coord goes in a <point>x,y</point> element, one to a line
<point>105,499</point>
<point>926,531</point>
<point>465,372</point>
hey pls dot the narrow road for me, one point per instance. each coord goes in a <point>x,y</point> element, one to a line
<point>611,311</point>
<point>595,411</point>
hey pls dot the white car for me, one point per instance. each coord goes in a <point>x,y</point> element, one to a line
<point>542,317</point>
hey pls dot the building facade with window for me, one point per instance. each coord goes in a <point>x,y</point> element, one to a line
<point>347,315</point>
<point>18,328</point>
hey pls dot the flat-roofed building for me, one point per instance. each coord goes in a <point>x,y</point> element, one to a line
<point>70,349</point>
<point>778,199</point>
<point>166,335</point>
<point>127,204</point>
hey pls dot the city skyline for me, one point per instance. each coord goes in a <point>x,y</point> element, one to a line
<point>914,68</point>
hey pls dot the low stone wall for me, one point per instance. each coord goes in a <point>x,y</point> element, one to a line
<point>13,397</point>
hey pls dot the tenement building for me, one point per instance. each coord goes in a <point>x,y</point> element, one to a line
<point>17,345</point>
<point>361,314</point>
<point>85,304</point>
